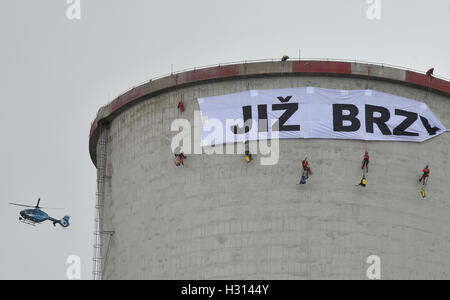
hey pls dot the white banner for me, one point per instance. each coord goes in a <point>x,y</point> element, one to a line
<point>310,112</point>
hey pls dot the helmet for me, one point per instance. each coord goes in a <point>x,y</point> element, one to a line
<point>427,166</point>
<point>367,153</point>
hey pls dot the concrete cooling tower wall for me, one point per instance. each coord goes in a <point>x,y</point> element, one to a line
<point>220,218</point>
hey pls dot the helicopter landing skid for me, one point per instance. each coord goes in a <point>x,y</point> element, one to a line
<point>28,222</point>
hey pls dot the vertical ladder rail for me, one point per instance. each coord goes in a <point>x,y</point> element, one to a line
<point>101,176</point>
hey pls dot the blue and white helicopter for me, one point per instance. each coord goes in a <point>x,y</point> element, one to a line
<point>36,216</point>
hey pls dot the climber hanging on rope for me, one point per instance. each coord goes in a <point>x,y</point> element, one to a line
<point>181,106</point>
<point>365,162</point>
<point>430,72</point>
<point>248,155</point>
<point>306,167</point>
<point>284,58</point>
<point>179,159</point>
<point>306,171</point>
<point>426,174</point>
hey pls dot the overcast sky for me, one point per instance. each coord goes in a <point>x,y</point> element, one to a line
<point>56,73</point>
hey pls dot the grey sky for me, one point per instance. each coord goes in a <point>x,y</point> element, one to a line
<point>55,74</point>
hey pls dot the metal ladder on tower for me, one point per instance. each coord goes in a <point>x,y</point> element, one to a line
<point>101,177</point>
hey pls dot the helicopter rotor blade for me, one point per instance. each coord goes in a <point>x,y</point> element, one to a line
<point>30,206</point>
<point>57,208</point>
<point>22,205</point>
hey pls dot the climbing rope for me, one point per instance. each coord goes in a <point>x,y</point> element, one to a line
<point>368,77</point>
<point>179,96</point>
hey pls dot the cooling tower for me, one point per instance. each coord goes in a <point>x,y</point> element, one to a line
<point>218,217</point>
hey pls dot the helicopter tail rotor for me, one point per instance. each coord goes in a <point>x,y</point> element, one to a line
<point>64,222</point>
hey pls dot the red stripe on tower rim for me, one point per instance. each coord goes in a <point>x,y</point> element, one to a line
<point>93,127</point>
<point>212,73</point>
<point>427,81</point>
<point>127,97</point>
<point>334,67</point>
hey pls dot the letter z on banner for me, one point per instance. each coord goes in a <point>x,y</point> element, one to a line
<point>310,112</point>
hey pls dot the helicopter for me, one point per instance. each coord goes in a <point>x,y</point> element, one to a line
<point>36,216</point>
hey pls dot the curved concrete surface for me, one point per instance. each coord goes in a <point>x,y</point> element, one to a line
<point>218,218</point>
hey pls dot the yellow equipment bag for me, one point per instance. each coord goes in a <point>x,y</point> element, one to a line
<point>363,182</point>
<point>422,192</point>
